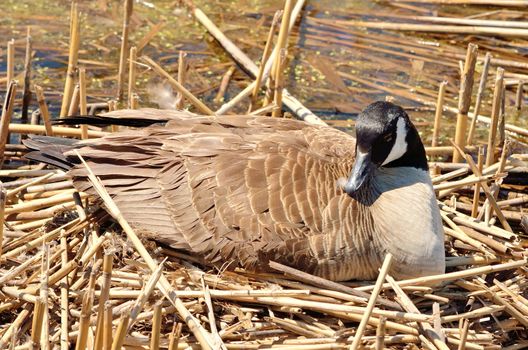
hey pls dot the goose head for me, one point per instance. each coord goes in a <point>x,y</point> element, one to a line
<point>385,138</point>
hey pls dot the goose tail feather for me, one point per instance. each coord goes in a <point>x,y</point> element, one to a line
<point>50,150</point>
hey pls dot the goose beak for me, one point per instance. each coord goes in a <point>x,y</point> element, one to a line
<point>361,172</point>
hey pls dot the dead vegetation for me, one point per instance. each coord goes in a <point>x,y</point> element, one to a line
<point>70,275</point>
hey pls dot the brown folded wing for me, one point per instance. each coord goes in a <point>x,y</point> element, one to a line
<point>239,188</point>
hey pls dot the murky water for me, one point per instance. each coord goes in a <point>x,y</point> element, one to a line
<point>334,69</point>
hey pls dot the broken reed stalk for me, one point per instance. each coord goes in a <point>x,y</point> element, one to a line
<point>57,130</point>
<point>428,331</point>
<point>10,61</point>
<point>149,36</point>
<point>265,56</point>
<point>468,21</point>
<point>74,106</point>
<point>486,189</point>
<point>44,112</point>
<point>501,131</point>
<point>224,83</point>
<point>372,301</point>
<point>480,94</point>
<point>438,113</point>
<point>280,57</point>
<point>44,338</point>
<point>380,334</point>
<point>16,324</point>
<point>279,84</point>
<point>175,336</point>
<point>175,84</point>
<point>199,332</point>
<point>134,101</point>
<point>470,2</point>
<point>72,59</point>
<point>145,294</point>
<point>520,301</point>
<point>37,323</point>
<point>495,111</point>
<point>107,330</point>
<point>121,75</point>
<point>26,96</point>
<point>438,28</point>
<point>464,325</point>
<point>86,310</point>
<point>357,296</point>
<point>211,317</point>
<point>119,336</point>
<point>495,187</point>
<point>82,101</point>
<point>519,95</point>
<point>132,58</point>
<point>464,102</point>
<point>3,197</point>
<point>64,303</point>
<point>108,260</point>
<point>514,312</point>
<point>7,113</point>
<point>156,327</point>
<point>450,276</point>
<point>476,193</point>
<point>182,69</point>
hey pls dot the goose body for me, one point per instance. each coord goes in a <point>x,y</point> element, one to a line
<point>246,190</point>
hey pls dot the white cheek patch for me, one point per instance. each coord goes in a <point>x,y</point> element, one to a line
<point>400,145</point>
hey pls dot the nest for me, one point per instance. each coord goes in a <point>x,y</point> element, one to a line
<point>74,273</point>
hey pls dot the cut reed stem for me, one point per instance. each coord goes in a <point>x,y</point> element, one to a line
<point>132,58</point>
<point>44,113</point>
<point>82,101</point>
<point>156,327</point>
<point>438,113</point>
<point>182,70</point>
<point>3,197</point>
<point>380,334</point>
<point>103,298</point>
<point>121,75</point>
<point>175,336</point>
<point>464,102</point>
<point>265,56</point>
<point>476,191</point>
<point>26,95</point>
<point>10,66</point>
<point>495,111</point>
<point>372,301</point>
<point>64,303</point>
<point>480,94</point>
<point>7,113</point>
<point>519,95</point>
<point>72,59</point>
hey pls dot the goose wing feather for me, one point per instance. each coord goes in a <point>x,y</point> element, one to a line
<point>239,188</point>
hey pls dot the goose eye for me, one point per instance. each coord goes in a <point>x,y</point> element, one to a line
<point>388,137</point>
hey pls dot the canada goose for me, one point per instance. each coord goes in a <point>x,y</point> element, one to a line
<point>250,189</point>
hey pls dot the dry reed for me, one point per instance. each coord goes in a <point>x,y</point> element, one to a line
<point>477,304</point>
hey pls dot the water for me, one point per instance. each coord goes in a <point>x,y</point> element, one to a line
<point>379,57</point>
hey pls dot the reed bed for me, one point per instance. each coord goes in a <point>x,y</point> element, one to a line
<point>73,274</point>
